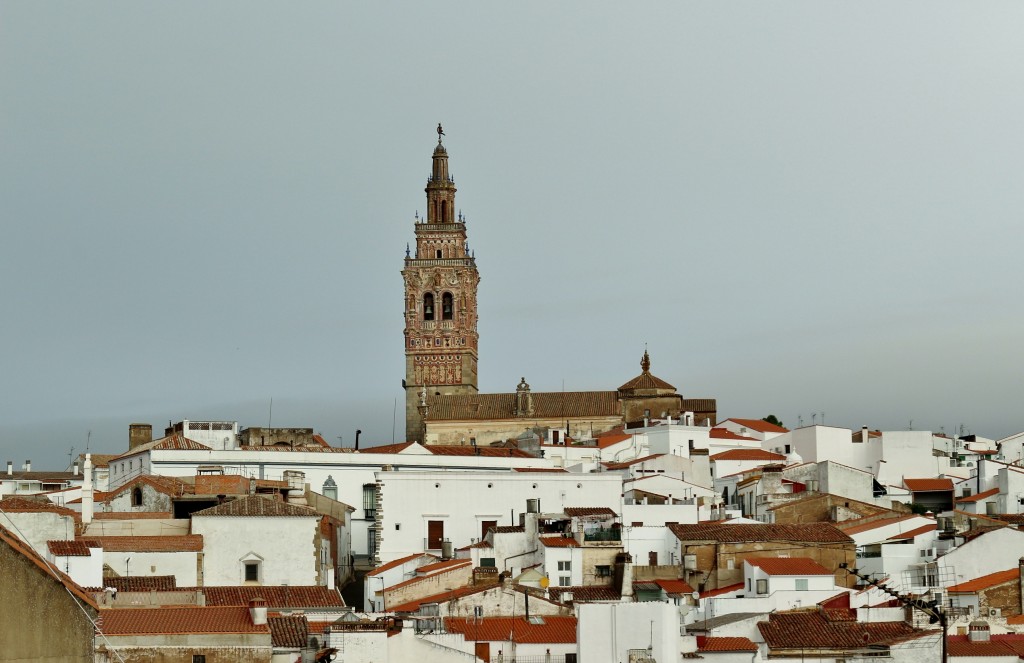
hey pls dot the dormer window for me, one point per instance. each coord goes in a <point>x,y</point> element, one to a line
<point>447,306</point>
<point>428,306</point>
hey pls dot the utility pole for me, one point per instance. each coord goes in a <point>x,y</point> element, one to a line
<point>931,608</point>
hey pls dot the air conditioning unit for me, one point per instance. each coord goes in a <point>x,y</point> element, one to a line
<point>995,612</point>
<point>762,499</point>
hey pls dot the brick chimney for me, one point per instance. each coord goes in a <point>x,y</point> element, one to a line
<point>139,434</point>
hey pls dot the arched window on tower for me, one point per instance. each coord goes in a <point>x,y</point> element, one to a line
<point>444,211</point>
<point>447,306</point>
<point>428,306</point>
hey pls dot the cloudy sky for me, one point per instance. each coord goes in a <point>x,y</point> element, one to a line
<point>800,207</point>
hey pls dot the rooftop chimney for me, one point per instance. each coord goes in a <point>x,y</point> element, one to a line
<point>978,631</point>
<point>10,468</point>
<point>28,465</point>
<point>87,494</point>
<point>258,611</point>
<point>139,434</point>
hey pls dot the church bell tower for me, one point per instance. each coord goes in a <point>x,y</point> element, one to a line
<point>440,302</point>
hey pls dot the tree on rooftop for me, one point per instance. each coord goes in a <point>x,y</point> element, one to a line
<point>772,419</point>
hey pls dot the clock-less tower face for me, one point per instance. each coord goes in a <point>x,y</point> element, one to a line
<point>440,302</point>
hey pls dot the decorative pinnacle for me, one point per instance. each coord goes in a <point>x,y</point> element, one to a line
<point>645,363</point>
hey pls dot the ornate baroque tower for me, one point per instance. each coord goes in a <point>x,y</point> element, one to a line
<point>440,302</point>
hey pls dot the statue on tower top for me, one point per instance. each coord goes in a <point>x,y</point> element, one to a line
<point>440,132</point>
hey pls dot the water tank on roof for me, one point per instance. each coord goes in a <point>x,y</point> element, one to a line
<point>446,549</point>
<point>690,562</point>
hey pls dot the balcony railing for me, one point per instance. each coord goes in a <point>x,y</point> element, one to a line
<point>603,535</point>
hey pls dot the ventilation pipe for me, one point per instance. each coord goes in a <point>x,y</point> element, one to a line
<point>10,468</point>
<point>358,433</point>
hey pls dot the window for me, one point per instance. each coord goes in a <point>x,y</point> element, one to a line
<point>438,254</point>
<point>801,584</point>
<point>762,586</point>
<point>136,496</point>
<point>564,581</point>
<point>369,501</point>
<point>447,306</point>
<point>603,571</point>
<point>252,571</point>
<point>428,304</point>
<point>565,566</point>
<point>487,562</point>
<point>198,658</point>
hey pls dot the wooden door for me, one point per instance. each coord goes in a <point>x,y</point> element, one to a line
<point>435,534</point>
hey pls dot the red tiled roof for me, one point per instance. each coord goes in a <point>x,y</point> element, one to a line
<point>677,586</point>
<point>291,632</point>
<point>748,454</point>
<point>489,452</point>
<point>725,644</point>
<point>759,425</point>
<point>583,511</point>
<point>163,484</point>
<point>586,593</point>
<point>276,596</point>
<point>561,630</point>
<point>558,542</point>
<point>140,584</point>
<point>980,496</point>
<point>29,505</point>
<point>508,529</point>
<point>742,532</point>
<point>856,527</point>
<point>986,581</point>
<point>998,645</point>
<point>168,621</point>
<point>178,543</point>
<point>627,463</point>
<point>175,442</point>
<point>914,532</point>
<point>789,566</point>
<point>398,562</point>
<point>811,629</point>
<point>70,548</point>
<point>459,592</point>
<point>132,515</point>
<point>726,434</point>
<point>722,590</point>
<point>443,565</point>
<point>927,485</point>
<point>256,506</point>
<point>604,441</point>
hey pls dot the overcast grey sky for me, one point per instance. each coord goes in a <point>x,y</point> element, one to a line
<point>799,206</point>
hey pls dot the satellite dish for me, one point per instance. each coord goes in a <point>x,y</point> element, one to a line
<point>695,596</point>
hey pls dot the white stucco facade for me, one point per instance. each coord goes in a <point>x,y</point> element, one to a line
<point>283,548</point>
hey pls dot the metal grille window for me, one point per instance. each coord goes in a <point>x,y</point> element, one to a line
<point>370,500</point>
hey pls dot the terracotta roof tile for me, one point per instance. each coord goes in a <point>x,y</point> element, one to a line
<point>459,592</point>
<point>176,442</point>
<point>986,581</point>
<point>789,566</point>
<point>722,590</point>
<point>180,543</point>
<point>725,644</point>
<point>583,511</point>
<point>508,529</point>
<point>749,454</point>
<point>927,485</point>
<point>811,629</point>
<point>627,463</point>
<point>398,562</point>
<point>167,621</point>
<point>645,382</point>
<point>726,434</point>
<point>741,532</point>
<point>290,632</point>
<point>29,505</point>
<point>139,584</point>
<point>856,527</point>
<point>276,596</point>
<point>604,441</point>
<point>70,548</point>
<point>552,630</point>
<point>487,452</point>
<point>998,645</point>
<point>257,506</point>
<point>677,586</point>
<point>133,515</point>
<point>923,529</point>
<point>760,425</point>
<point>586,593</point>
<point>558,542</point>
<point>546,405</point>
<point>980,496</point>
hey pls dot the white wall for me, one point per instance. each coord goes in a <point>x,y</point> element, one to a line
<point>461,499</point>
<point>182,565</point>
<point>86,570</point>
<point>994,551</point>
<point>285,545</point>
<point>36,528</point>
<point>606,631</point>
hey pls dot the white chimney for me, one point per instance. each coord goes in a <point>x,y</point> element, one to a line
<point>10,468</point>
<point>978,631</point>
<point>87,496</point>
<point>28,465</point>
<point>258,611</point>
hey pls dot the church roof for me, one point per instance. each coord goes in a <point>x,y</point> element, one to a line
<point>546,405</point>
<point>645,381</point>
